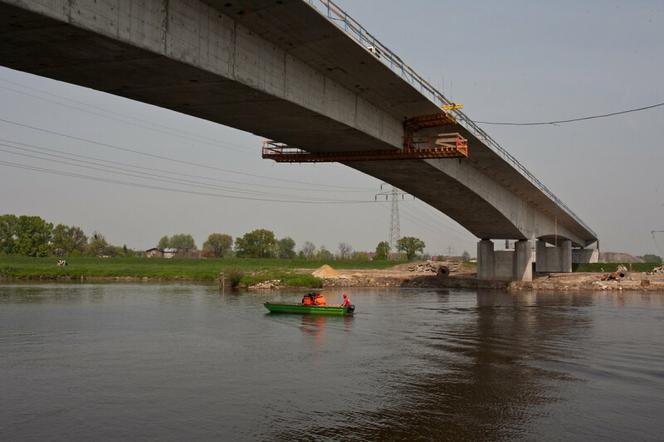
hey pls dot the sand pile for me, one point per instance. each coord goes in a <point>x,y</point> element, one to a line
<point>326,271</point>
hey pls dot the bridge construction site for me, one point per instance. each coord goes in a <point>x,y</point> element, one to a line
<point>435,144</point>
<point>308,76</point>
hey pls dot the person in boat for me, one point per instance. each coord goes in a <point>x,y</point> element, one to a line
<point>319,299</point>
<point>314,299</point>
<point>346,302</point>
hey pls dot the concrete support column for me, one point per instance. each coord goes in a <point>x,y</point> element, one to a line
<point>583,256</point>
<point>566,256</point>
<point>540,256</point>
<point>485,261</point>
<point>554,259</point>
<point>523,261</point>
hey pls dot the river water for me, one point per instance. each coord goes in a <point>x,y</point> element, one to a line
<point>186,362</point>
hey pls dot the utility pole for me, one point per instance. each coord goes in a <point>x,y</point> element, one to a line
<point>654,239</point>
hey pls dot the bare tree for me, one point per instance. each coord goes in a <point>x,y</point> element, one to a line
<point>308,250</point>
<point>345,250</point>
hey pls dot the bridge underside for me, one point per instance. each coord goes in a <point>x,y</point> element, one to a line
<point>39,45</point>
<point>227,73</point>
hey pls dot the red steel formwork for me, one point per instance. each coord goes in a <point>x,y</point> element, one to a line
<point>415,147</point>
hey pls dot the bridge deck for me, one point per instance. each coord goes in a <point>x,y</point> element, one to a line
<point>342,49</point>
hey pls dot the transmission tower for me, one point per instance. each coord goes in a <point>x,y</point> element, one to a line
<point>393,195</point>
<point>395,233</point>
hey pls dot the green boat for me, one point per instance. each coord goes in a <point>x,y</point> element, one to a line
<point>310,309</point>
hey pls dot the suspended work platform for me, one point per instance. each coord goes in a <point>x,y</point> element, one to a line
<point>445,146</point>
<point>422,140</point>
<point>424,121</point>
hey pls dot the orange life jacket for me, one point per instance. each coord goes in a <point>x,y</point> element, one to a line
<point>307,300</point>
<point>320,300</point>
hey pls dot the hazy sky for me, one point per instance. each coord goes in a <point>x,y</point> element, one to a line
<point>505,61</point>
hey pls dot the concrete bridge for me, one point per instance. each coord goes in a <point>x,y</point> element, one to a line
<point>302,73</point>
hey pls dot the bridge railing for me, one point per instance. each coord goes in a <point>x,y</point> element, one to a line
<point>358,33</point>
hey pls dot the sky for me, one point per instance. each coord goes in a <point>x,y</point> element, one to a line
<point>508,61</point>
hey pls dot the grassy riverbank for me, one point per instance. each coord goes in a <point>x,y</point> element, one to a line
<point>250,271</point>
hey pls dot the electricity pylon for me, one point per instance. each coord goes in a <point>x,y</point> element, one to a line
<point>393,195</point>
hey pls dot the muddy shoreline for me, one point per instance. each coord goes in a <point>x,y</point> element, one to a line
<point>391,278</point>
<point>633,281</point>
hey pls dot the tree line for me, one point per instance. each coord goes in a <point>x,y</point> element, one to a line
<point>262,243</point>
<point>34,236</point>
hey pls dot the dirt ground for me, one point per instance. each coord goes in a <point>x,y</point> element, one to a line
<point>465,277</point>
<point>396,276</point>
<point>592,281</point>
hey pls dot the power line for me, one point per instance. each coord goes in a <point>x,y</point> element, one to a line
<point>437,222</point>
<point>122,118</point>
<point>422,226</point>
<point>432,228</point>
<point>96,161</point>
<point>654,238</point>
<point>144,175</point>
<point>161,157</point>
<point>571,120</point>
<point>150,186</point>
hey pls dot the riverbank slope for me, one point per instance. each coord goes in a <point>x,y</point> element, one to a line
<point>243,271</point>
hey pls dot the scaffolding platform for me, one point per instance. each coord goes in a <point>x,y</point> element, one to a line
<point>450,145</point>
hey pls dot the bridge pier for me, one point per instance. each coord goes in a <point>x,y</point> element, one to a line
<point>554,259</point>
<point>523,261</point>
<point>485,261</point>
<point>504,265</point>
<point>585,256</point>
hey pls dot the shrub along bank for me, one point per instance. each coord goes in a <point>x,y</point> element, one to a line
<point>610,267</point>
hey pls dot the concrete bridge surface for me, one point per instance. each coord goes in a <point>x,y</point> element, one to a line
<point>301,72</point>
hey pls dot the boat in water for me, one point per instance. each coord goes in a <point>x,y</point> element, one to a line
<point>310,309</point>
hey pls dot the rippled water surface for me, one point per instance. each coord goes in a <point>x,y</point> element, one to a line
<point>185,362</point>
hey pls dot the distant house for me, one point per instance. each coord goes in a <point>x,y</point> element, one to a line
<point>154,253</point>
<point>172,253</point>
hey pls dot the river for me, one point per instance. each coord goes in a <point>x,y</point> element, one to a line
<point>187,362</point>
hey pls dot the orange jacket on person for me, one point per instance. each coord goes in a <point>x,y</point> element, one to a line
<point>307,300</point>
<point>320,300</point>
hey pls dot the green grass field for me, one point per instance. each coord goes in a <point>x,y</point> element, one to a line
<point>254,270</point>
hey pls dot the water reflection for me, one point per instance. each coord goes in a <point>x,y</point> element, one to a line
<point>313,325</point>
<point>186,362</point>
<point>476,382</point>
